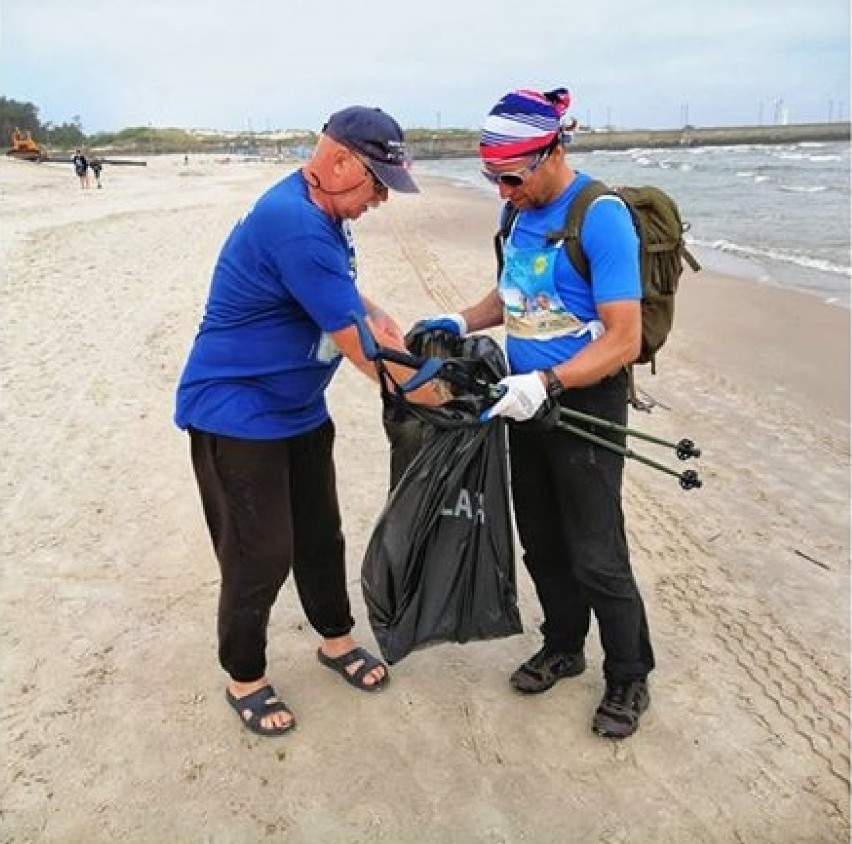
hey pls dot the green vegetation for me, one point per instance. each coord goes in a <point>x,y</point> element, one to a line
<point>149,140</point>
<point>24,116</point>
<point>138,140</point>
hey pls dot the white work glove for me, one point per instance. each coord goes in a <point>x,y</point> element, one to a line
<point>523,396</point>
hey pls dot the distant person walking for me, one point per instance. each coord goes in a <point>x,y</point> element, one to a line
<point>81,168</point>
<point>97,165</point>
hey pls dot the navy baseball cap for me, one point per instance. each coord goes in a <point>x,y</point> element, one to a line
<point>377,136</point>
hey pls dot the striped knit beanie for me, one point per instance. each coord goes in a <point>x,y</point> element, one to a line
<point>522,123</point>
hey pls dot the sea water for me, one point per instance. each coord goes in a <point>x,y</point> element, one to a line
<point>778,214</point>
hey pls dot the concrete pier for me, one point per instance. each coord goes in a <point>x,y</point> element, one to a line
<point>463,145</point>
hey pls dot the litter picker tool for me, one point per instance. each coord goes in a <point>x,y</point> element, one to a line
<point>454,372</point>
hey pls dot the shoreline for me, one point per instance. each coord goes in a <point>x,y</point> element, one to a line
<point>799,270</point>
<point>113,698</point>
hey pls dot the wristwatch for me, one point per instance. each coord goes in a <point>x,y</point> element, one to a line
<point>553,385</point>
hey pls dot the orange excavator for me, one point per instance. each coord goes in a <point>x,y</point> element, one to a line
<point>24,147</point>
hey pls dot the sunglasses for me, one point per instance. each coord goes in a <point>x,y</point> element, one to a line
<point>515,178</point>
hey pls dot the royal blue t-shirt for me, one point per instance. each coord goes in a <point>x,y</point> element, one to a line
<point>262,359</point>
<point>549,307</point>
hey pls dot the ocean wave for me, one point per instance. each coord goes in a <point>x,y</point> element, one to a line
<point>803,188</point>
<point>617,153</point>
<point>669,164</point>
<point>783,255</point>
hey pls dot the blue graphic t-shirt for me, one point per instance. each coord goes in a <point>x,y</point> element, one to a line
<point>550,310</point>
<point>262,359</point>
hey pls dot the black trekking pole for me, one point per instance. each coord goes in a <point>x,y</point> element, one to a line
<point>688,478</point>
<point>684,449</point>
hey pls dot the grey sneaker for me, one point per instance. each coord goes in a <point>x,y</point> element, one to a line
<point>622,704</point>
<point>542,670</point>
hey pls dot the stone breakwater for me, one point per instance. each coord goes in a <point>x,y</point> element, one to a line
<point>463,146</point>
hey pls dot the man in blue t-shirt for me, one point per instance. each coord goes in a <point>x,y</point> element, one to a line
<point>277,324</point>
<point>568,342</point>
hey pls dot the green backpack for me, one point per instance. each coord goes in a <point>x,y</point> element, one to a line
<point>661,252</point>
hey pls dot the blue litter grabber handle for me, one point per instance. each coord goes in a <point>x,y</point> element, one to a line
<point>426,368</point>
<point>429,368</point>
<point>365,336</point>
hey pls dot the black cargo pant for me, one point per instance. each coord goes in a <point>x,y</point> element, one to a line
<point>271,505</point>
<point>567,497</point>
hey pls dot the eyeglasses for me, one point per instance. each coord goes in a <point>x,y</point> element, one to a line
<point>379,187</point>
<point>515,178</point>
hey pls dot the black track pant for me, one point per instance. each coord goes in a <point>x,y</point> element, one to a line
<point>567,497</point>
<point>271,505</point>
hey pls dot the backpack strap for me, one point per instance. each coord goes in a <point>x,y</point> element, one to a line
<point>507,217</point>
<point>687,255</point>
<point>570,234</point>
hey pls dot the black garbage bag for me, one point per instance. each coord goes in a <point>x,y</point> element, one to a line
<point>440,566</point>
<point>477,360</point>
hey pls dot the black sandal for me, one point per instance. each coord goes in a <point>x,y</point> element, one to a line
<point>253,708</point>
<point>542,670</point>
<point>356,678</point>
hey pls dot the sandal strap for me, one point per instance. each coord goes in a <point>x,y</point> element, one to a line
<point>368,664</point>
<point>257,704</point>
<point>255,700</point>
<point>342,664</point>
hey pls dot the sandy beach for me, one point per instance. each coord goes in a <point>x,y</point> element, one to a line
<point>114,722</point>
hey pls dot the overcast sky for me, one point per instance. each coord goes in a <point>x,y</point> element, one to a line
<point>271,64</point>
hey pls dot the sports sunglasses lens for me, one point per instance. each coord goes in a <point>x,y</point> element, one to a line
<point>510,180</point>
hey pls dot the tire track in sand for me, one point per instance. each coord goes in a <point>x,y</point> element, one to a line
<point>797,700</point>
<point>426,266</point>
